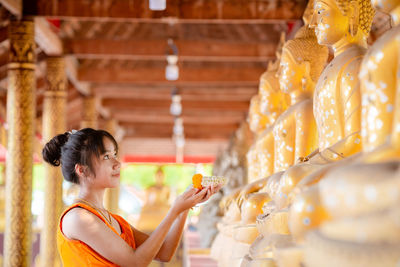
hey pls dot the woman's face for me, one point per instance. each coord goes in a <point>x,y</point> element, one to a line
<point>107,166</point>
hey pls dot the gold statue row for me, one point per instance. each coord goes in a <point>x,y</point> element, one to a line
<point>324,171</point>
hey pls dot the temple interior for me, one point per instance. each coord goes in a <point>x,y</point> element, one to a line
<point>296,103</point>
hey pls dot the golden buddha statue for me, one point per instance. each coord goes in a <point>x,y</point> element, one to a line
<point>156,205</point>
<point>362,197</point>
<point>295,133</point>
<point>273,103</point>
<point>295,130</point>
<point>380,89</point>
<point>257,121</point>
<point>344,26</point>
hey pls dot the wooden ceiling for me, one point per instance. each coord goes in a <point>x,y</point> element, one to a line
<point>116,50</point>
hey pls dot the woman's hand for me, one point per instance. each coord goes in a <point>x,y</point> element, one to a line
<point>211,190</point>
<point>192,197</point>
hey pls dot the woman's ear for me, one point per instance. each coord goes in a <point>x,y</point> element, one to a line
<point>80,170</point>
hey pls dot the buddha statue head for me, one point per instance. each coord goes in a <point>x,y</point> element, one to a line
<point>257,121</point>
<point>339,22</point>
<point>272,101</point>
<point>303,60</point>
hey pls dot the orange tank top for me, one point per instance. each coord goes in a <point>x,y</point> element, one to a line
<point>75,253</point>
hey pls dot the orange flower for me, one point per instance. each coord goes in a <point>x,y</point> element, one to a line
<point>196,179</point>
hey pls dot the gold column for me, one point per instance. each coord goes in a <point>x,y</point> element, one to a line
<point>89,114</point>
<point>20,118</point>
<point>54,122</point>
<point>112,194</point>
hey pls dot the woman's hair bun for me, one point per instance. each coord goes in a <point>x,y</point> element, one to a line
<point>52,150</point>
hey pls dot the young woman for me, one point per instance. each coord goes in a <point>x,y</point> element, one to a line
<point>88,234</point>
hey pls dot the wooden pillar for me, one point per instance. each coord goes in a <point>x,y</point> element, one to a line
<point>112,194</point>
<point>89,114</point>
<point>20,118</point>
<point>54,122</point>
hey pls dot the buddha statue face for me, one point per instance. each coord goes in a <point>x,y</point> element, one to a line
<point>272,100</point>
<point>290,72</point>
<point>336,20</point>
<point>326,17</point>
<point>257,121</point>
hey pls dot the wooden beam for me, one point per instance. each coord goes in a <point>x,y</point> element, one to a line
<point>133,104</point>
<point>4,34</point>
<point>196,75</point>
<point>164,130</point>
<point>71,65</point>
<point>47,40</point>
<point>196,93</point>
<point>155,50</point>
<point>14,6</point>
<point>187,10</point>
<point>196,117</point>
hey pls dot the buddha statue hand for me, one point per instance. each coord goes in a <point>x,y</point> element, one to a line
<point>252,207</point>
<point>229,198</point>
<point>289,181</point>
<point>308,157</point>
<point>306,212</point>
<point>250,188</point>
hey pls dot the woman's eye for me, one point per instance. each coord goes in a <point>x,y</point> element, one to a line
<point>106,157</point>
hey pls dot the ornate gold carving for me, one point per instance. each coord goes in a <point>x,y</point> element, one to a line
<point>20,118</point>
<point>22,45</point>
<point>54,122</point>
<point>56,78</point>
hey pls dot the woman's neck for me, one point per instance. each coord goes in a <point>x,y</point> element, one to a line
<point>94,197</point>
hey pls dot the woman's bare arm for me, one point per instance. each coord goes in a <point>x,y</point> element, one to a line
<point>80,224</point>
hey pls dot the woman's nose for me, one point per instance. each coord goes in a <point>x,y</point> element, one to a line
<point>117,164</point>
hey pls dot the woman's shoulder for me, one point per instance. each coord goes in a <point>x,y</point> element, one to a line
<point>76,220</point>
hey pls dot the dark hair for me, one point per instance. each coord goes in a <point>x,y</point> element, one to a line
<point>79,147</point>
